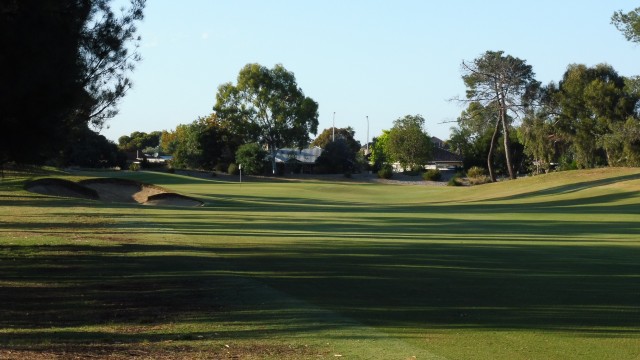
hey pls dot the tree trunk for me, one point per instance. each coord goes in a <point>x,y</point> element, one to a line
<point>507,141</point>
<point>494,140</point>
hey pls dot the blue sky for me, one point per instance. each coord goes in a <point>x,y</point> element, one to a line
<point>381,59</point>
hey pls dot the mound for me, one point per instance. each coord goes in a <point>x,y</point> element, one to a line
<point>172,199</point>
<point>61,187</point>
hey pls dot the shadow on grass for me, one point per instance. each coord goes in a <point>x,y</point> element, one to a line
<point>413,286</point>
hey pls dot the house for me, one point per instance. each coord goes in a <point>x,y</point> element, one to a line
<point>442,157</point>
<point>297,160</point>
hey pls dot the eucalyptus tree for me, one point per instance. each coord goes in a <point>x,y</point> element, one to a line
<point>504,83</point>
<point>593,103</point>
<point>268,106</point>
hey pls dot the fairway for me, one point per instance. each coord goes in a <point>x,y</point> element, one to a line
<point>544,267</point>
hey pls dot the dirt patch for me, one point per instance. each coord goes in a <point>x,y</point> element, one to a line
<point>111,190</point>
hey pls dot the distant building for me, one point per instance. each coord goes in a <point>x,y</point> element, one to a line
<point>297,160</point>
<point>442,157</point>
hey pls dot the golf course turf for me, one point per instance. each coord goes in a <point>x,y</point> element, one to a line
<point>546,267</point>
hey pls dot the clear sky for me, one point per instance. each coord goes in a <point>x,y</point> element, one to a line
<point>357,58</point>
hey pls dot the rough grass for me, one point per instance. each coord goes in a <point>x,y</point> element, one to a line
<point>539,268</point>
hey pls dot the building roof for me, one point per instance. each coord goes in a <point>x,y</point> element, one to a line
<point>304,156</point>
<point>443,155</point>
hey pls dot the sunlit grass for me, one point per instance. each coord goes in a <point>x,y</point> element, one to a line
<point>543,267</point>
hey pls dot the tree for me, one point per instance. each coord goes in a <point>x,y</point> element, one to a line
<point>187,152</point>
<point>504,83</point>
<point>64,65</point>
<point>591,103</point>
<point>628,24</point>
<point>267,105</point>
<point>380,150</point>
<point>252,157</point>
<point>347,134</point>
<point>139,140</point>
<point>482,126</point>
<point>337,157</point>
<point>409,143</point>
<point>90,149</point>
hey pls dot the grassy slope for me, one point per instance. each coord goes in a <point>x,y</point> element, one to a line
<point>544,267</point>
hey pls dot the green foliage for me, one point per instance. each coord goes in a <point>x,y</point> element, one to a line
<point>267,105</point>
<point>432,175</point>
<point>92,150</point>
<point>455,180</point>
<point>477,175</point>
<point>476,172</point>
<point>251,157</point>
<point>134,167</point>
<point>628,23</point>
<point>139,141</point>
<point>507,85</point>
<point>408,142</point>
<point>380,151</point>
<point>337,157</point>
<point>593,104</point>
<point>187,149</point>
<point>386,172</point>
<point>233,169</point>
<point>537,137</point>
<point>64,67</point>
<point>345,134</point>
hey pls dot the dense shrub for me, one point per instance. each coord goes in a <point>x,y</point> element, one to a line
<point>233,169</point>
<point>455,180</point>
<point>475,172</point>
<point>432,175</point>
<point>477,176</point>
<point>386,172</point>
<point>134,167</point>
<point>221,167</point>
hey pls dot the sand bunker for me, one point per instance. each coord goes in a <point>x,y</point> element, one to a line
<point>61,187</point>
<point>111,190</point>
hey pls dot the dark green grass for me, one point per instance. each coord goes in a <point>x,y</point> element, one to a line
<point>537,268</point>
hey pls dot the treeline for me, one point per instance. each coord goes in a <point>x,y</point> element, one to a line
<point>589,118</point>
<point>64,66</point>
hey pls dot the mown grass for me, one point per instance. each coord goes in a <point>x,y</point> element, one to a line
<point>538,268</point>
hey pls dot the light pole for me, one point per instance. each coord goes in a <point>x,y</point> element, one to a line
<point>367,134</point>
<point>333,138</point>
